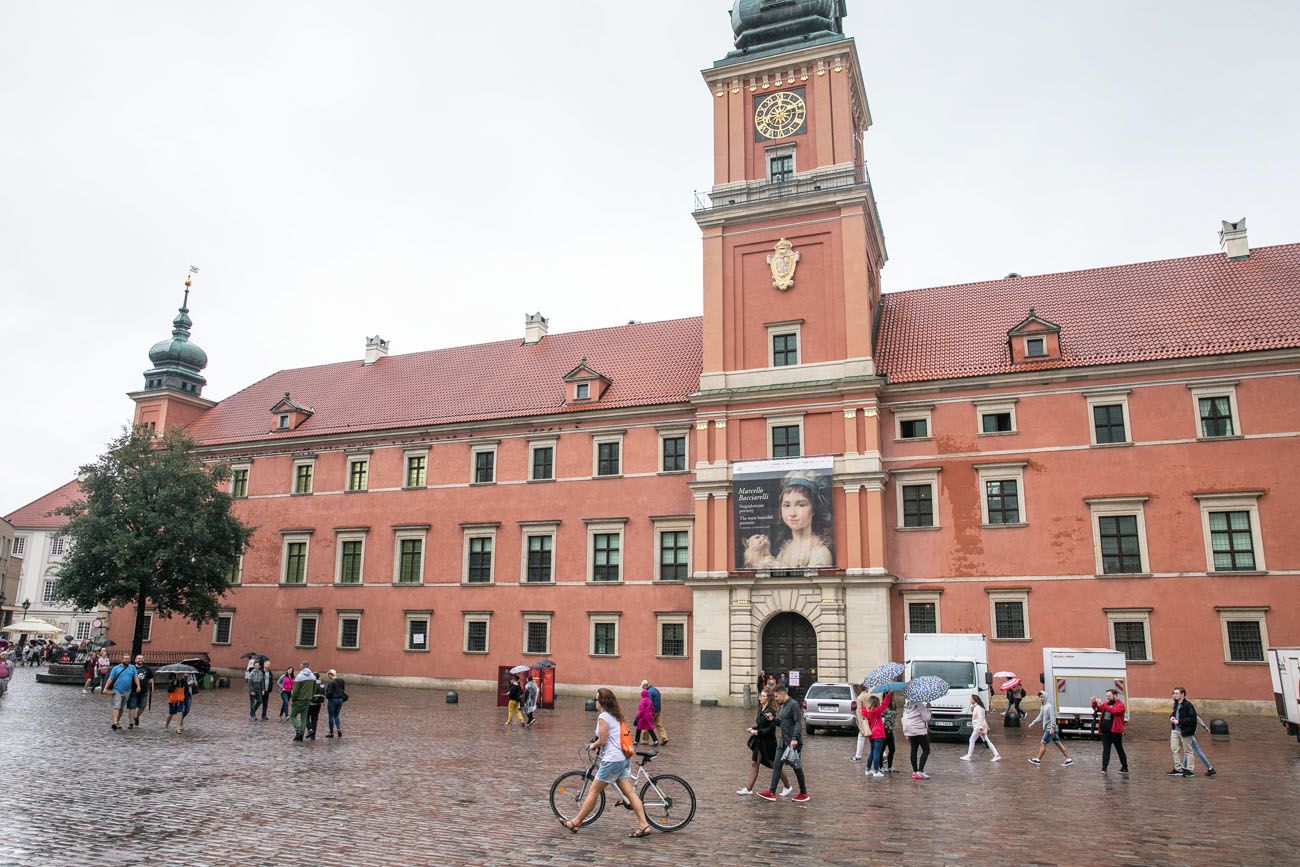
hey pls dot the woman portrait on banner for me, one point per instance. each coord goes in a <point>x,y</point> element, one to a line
<point>801,540</point>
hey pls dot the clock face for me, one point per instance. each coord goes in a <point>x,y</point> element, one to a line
<point>780,115</point>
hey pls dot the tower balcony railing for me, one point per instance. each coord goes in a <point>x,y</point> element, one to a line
<point>797,186</point>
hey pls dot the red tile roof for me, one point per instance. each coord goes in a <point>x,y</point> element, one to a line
<point>1176,308</point>
<point>650,364</point>
<point>36,514</point>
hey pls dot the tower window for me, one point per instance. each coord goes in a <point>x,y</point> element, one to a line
<point>780,167</point>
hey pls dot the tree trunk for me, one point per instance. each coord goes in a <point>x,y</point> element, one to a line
<point>137,640</point>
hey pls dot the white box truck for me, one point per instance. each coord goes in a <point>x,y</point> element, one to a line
<point>1074,675</point>
<point>1284,667</point>
<point>962,660</point>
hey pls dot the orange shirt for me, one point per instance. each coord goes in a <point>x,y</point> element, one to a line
<point>177,693</point>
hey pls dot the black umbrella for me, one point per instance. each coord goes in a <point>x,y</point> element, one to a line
<point>176,668</point>
<point>108,642</point>
<point>253,654</point>
<point>545,663</point>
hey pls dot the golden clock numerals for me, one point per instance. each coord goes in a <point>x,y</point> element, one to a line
<point>780,115</point>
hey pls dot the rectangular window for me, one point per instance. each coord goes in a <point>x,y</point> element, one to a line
<point>674,454</point>
<point>148,628</point>
<point>410,567</point>
<point>221,629</point>
<point>476,636</point>
<point>349,632</point>
<point>302,474</point>
<point>20,546</point>
<point>606,556</point>
<point>307,630</point>
<point>604,639</point>
<point>485,467</point>
<point>672,640</point>
<point>785,441</point>
<point>582,391</point>
<point>57,546</point>
<point>607,458</point>
<point>235,571</point>
<point>1108,423</point>
<point>239,482</point>
<point>913,428</point>
<point>785,350</point>
<point>1009,619</point>
<point>417,633</point>
<point>50,592</point>
<point>995,422</point>
<point>83,630</point>
<point>480,560</point>
<point>923,617</point>
<point>1003,501</point>
<point>358,471</point>
<point>295,563</point>
<point>1035,347</point>
<point>543,463</point>
<point>416,466</point>
<point>674,555</point>
<point>780,168</point>
<point>1121,552</point>
<point>537,636</point>
<point>282,423</point>
<point>1245,641</point>
<point>1216,416</point>
<point>539,558</point>
<point>918,505</point>
<point>1231,542</point>
<point>350,561</point>
<point>1131,639</point>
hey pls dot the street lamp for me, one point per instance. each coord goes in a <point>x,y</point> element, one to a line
<point>27,603</point>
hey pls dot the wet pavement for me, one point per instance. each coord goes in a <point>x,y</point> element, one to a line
<point>417,781</point>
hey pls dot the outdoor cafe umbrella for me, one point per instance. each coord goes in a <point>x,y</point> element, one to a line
<point>926,688</point>
<point>519,669</point>
<point>887,673</point>
<point>39,627</point>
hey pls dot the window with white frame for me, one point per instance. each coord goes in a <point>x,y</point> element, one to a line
<point>358,472</point>
<point>537,633</point>
<point>58,545</point>
<point>784,340</point>
<point>483,468</point>
<point>478,556</point>
<point>1035,347</point>
<point>408,554</point>
<point>607,455</point>
<point>415,474</point>
<point>50,591</point>
<point>1108,419</point>
<point>921,611</point>
<point>1009,614</point>
<point>672,450</point>
<point>785,436</point>
<point>303,474</point>
<point>672,555</point>
<point>913,423</point>
<point>350,555</point>
<point>83,630</point>
<point>349,637</point>
<point>605,550</point>
<point>1216,409</point>
<point>537,560</point>
<point>417,630</point>
<point>307,623</point>
<point>20,546</point>
<point>917,497</point>
<point>476,631</point>
<point>1119,535</point>
<point>1230,524</point>
<point>672,628</point>
<point>996,416</point>
<point>239,480</point>
<point>221,627</point>
<point>1002,493</point>
<point>235,571</point>
<point>293,557</point>
<point>541,460</point>
<point>1245,633</point>
<point>1130,632</point>
<point>603,633</point>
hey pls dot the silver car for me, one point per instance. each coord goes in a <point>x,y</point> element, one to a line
<point>829,706</point>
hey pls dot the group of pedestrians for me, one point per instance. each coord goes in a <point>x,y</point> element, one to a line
<point>131,683</point>
<point>776,742</point>
<point>521,701</point>
<point>302,695</point>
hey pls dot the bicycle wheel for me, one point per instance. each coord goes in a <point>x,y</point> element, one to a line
<point>669,802</point>
<point>567,794</point>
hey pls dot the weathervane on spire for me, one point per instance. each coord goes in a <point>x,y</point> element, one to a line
<point>193,270</point>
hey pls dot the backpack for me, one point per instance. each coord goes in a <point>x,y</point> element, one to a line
<point>625,741</point>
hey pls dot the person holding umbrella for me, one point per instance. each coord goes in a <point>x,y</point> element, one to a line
<point>916,718</point>
<point>513,697</point>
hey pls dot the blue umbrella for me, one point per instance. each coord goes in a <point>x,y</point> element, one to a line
<point>890,671</point>
<point>926,688</point>
<point>889,687</point>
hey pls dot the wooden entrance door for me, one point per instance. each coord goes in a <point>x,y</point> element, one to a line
<point>790,644</point>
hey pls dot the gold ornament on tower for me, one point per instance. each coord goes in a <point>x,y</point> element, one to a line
<point>780,115</point>
<point>783,261</point>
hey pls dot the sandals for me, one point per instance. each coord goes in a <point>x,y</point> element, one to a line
<point>641,832</point>
<point>572,826</point>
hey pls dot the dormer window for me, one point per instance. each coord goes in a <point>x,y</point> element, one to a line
<point>1035,347</point>
<point>1034,339</point>
<point>289,415</point>
<point>585,383</point>
<point>582,391</point>
<point>283,422</point>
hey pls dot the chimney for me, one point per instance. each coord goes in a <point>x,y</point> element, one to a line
<point>1232,238</point>
<point>376,348</point>
<point>534,328</point>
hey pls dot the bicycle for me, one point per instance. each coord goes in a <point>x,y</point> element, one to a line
<point>669,800</point>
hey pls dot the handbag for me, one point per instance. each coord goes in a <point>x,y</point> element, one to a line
<point>752,743</point>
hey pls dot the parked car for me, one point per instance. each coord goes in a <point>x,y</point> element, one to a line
<point>829,706</point>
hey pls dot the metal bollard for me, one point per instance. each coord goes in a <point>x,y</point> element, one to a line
<point>1219,727</point>
<point>591,704</point>
<point>453,697</point>
<point>749,696</point>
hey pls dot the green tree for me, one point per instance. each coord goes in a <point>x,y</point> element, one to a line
<point>153,526</point>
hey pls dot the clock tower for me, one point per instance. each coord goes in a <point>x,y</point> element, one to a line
<point>793,249</point>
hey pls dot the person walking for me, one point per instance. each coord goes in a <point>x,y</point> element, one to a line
<point>513,697</point>
<point>916,726</point>
<point>979,729</point>
<point>613,744</point>
<point>873,713</point>
<point>1111,728</point>
<point>304,687</point>
<point>1196,748</point>
<point>102,665</point>
<point>140,698</point>
<point>762,744</point>
<point>122,681</point>
<point>254,679</point>
<point>1182,730</point>
<point>790,720</point>
<point>286,687</point>
<point>176,703</point>
<point>313,710</point>
<point>864,730</point>
<point>336,692</point>
<point>1051,732</point>
<point>1015,695</point>
<point>530,702</point>
<point>888,719</point>
<point>645,718</point>
<point>268,684</point>
<point>657,700</point>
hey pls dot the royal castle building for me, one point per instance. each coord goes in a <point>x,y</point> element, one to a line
<point>799,476</point>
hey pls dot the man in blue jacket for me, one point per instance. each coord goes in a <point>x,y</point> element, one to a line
<point>123,680</point>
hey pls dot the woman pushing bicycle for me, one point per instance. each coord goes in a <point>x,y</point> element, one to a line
<point>614,742</point>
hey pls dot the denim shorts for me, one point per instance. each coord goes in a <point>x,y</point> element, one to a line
<point>612,772</point>
<point>1051,736</point>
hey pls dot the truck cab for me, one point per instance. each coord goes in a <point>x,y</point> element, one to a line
<point>962,660</point>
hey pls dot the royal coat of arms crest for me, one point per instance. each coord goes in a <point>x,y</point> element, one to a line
<point>783,262</point>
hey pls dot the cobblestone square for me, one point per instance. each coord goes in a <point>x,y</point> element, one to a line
<point>417,781</point>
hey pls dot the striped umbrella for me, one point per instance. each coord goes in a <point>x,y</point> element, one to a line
<point>886,673</point>
<point>926,688</point>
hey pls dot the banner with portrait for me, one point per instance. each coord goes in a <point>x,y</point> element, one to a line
<point>782,514</point>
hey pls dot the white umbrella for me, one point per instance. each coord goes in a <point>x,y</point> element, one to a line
<point>519,669</point>
<point>1005,674</point>
<point>32,626</point>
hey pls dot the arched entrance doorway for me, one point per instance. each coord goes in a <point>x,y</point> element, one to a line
<point>790,645</point>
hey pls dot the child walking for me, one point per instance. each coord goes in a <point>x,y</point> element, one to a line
<point>874,713</point>
<point>979,729</point>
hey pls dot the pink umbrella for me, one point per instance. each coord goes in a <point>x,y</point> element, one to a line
<point>1010,684</point>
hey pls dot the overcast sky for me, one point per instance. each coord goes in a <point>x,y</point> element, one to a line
<point>432,170</point>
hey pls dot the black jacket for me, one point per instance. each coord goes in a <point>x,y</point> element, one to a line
<point>791,720</point>
<point>1186,713</point>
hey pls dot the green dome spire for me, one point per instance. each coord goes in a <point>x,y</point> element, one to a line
<point>768,26</point>
<point>177,363</point>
